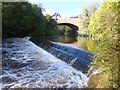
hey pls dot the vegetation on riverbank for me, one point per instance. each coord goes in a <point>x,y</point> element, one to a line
<point>84,17</point>
<point>64,30</point>
<point>104,26</point>
<point>22,18</point>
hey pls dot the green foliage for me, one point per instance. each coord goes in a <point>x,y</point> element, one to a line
<point>22,18</point>
<point>63,30</point>
<point>56,15</point>
<point>91,45</point>
<point>50,25</point>
<point>104,25</point>
<point>85,18</point>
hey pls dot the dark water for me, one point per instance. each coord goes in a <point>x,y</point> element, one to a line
<point>79,42</point>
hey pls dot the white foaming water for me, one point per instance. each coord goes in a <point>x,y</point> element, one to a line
<point>41,69</point>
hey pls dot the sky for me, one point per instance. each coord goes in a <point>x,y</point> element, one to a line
<point>66,8</point>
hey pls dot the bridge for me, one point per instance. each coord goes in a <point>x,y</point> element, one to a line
<point>73,23</point>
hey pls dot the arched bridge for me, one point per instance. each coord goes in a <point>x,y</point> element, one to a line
<point>73,23</point>
<point>69,25</point>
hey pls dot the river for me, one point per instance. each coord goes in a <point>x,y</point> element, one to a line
<point>79,42</point>
<point>27,66</point>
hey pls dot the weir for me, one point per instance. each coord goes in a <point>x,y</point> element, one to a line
<point>27,66</point>
<point>77,58</point>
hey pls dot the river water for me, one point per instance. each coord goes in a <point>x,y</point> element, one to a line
<point>27,66</point>
<point>68,49</point>
<point>79,42</point>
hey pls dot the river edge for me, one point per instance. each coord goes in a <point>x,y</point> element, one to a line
<point>25,65</point>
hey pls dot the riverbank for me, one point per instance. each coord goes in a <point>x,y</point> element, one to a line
<point>25,65</point>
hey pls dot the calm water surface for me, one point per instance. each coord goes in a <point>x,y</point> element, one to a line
<point>79,42</point>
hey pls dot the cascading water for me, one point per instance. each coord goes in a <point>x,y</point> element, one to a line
<point>27,66</point>
<point>77,58</point>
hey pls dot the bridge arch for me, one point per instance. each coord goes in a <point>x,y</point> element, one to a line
<point>74,27</point>
<point>70,22</point>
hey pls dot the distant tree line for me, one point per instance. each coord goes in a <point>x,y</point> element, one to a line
<point>85,16</point>
<point>64,30</point>
<point>22,18</point>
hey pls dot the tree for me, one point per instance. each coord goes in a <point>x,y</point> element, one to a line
<point>13,18</point>
<point>50,25</point>
<point>23,18</point>
<point>64,30</point>
<point>85,18</point>
<point>56,15</point>
<point>104,26</point>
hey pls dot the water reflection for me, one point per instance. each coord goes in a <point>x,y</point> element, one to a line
<point>79,42</point>
<point>82,42</point>
<point>62,39</point>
